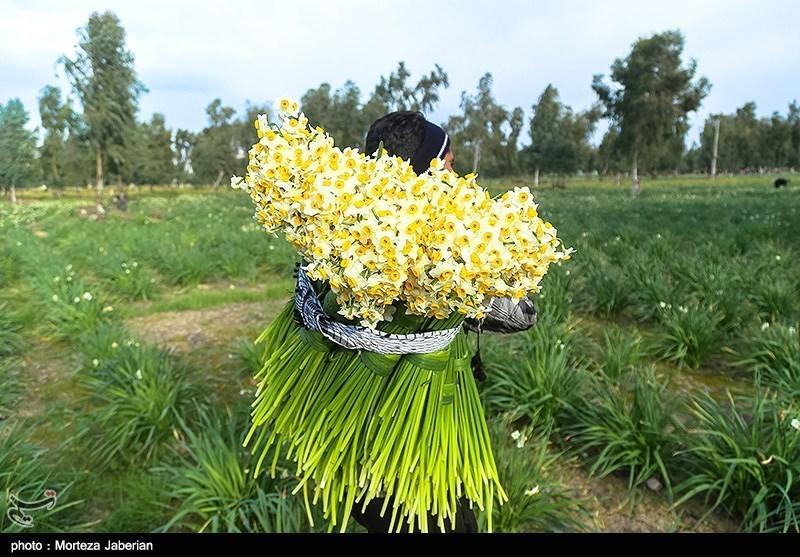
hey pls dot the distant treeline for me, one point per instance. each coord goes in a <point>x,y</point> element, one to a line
<point>94,136</point>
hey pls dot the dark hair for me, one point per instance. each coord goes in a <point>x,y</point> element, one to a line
<point>402,133</point>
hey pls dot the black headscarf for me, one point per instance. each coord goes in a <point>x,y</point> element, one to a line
<point>435,145</point>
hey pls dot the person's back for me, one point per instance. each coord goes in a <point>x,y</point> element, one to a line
<point>407,134</point>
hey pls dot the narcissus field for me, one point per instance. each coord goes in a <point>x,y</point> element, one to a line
<point>659,391</point>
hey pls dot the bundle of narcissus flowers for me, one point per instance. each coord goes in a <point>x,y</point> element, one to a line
<point>404,254</point>
<point>378,233</point>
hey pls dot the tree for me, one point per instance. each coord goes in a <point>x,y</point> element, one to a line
<point>342,114</point>
<point>103,78</point>
<point>515,122</point>
<point>609,158</point>
<point>216,151</point>
<point>793,119</point>
<point>57,119</point>
<point>151,156</point>
<point>17,147</point>
<point>747,142</point>
<point>79,155</point>
<point>559,138</point>
<point>339,113</point>
<point>395,93</point>
<point>543,126</point>
<point>183,145</point>
<point>485,130</point>
<point>651,97</point>
<point>776,141</point>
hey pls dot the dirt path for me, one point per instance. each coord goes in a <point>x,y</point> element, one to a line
<point>45,371</point>
<point>615,509</point>
<point>212,329</point>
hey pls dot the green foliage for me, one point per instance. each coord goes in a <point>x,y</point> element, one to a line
<point>69,305</point>
<point>537,501</point>
<point>150,153</point>
<point>25,473</point>
<point>622,351</point>
<point>10,385</point>
<point>609,291</point>
<point>485,136</point>
<point>133,500</point>
<point>215,151</point>
<point>731,245</point>
<point>17,145</point>
<point>343,115</point>
<point>749,142</point>
<point>773,355</point>
<point>545,380</point>
<point>61,128</point>
<point>559,138</point>
<point>10,339</point>
<point>744,459</point>
<point>104,80</point>
<point>691,334</point>
<point>777,298</point>
<point>629,430</point>
<point>340,113</point>
<point>652,98</point>
<point>395,93</point>
<point>215,489</point>
<point>554,302</point>
<point>139,397</point>
<point>251,356</point>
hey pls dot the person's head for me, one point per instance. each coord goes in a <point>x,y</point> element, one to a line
<point>407,134</point>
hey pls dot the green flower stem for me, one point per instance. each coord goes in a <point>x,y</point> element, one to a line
<point>362,425</point>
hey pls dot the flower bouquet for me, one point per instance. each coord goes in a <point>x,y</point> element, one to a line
<point>395,255</point>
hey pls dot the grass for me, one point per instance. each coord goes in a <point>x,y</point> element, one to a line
<point>11,385</point>
<point>773,355</point>
<point>622,351</point>
<point>537,501</point>
<point>545,380</point>
<point>26,472</point>
<point>215,489</point>
<point>743,458</point>
<point>137,401</point>
<point>10,339</point>
<point>276,288</point>
<point>628,429</point>
<point>690,334</point>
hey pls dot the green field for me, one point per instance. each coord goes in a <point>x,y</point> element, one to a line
<point>659,391</point>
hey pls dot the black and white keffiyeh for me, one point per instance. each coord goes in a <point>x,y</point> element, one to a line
<point>355,337</point>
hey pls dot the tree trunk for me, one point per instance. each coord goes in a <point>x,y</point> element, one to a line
<point>536,177</point>
<point>619,179</point>
<point>99,170</point>
<point>636,186</point>
<point>476,157</point>
<point>56,173</point>
<point>716,150</point>
<point>219,179</point>
<point>13,194</point>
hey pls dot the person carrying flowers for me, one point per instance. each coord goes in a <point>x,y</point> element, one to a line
<point>368,384</point>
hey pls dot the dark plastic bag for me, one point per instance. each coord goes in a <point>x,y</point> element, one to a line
<point>505,316</point>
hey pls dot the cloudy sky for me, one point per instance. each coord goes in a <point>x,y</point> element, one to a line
<point>189,52</point>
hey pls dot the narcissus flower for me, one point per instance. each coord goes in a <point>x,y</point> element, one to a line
<point>379,234</point>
